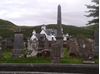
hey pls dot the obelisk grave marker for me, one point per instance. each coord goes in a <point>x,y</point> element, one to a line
<point>59,32</point>
<point>57,48</point>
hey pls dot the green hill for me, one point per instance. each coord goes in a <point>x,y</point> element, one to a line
<point>7,29</point>
<point>72,30</point>
<point>4,24</point>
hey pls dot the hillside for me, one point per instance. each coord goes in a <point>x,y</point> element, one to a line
<point>7,29</point>
<point>4,24</point>
<point>72,30</point>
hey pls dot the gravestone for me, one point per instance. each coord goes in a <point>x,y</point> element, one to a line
<point>9,43</point>
<point>81,44</point>
<point>57,48</point>
<point>89,51</point>
<point>1,46</point>
<point>55,52</point>
<point>96,43</point>
<point>86,50</point>
<point>59,36</point>
<point>32,48</point>
<point>18,45</point>
<point>73,47</point>
<point>42,44</point>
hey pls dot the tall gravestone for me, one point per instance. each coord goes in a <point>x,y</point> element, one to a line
<point>60,33</point>
<point>96,43</point>
<point>1,46</point>
<point>57,51</point>
<point>18,45</point>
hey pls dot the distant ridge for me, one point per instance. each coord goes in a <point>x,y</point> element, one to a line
<point>4,24</point>
<point>72,30</point>
<point>8,28</point>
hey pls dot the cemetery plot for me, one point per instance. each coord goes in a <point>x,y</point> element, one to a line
<point>49,46</point>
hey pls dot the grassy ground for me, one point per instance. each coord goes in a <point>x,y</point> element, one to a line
<point>70,60</point>
<point>7,58</point>
<point>74,60</point>
<point>97,60</point>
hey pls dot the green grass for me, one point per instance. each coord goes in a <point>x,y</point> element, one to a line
<point>73,60</point>
<point>7,55</point>
<point>70,60</point>
<point>97,60</point>
<point>7,58</point>
<point>25,60</point>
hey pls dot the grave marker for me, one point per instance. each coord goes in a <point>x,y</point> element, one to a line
<point>18,45</point>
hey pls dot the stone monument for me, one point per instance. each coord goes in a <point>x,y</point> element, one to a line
<point>60,32</point>
<point>73,47</point>
<point>18,44</point>
<point>96,43</point>
<point>57,51</point>
<point>1,46</point>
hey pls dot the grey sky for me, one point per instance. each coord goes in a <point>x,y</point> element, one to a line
<point>38,12</point>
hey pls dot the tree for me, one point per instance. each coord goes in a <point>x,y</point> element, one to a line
<point>94,12</point>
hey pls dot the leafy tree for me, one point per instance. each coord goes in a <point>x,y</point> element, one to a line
<point>94,12</point>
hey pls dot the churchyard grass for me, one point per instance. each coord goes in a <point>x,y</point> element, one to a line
<point>74,60</point>
<point>70,60</point>
<point>97,60</point>
<point>7,58</point>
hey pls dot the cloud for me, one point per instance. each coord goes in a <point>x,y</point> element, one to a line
<point>37,12</point>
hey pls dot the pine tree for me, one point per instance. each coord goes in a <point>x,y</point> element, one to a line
<point>94,12</point>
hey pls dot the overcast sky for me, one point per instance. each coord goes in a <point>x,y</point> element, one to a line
<point>38,12</point>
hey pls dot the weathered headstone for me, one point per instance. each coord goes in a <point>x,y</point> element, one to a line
<point>73,48</point>
<point>89,51</point>
<point>32,48</point>
<point>82,46</point>
<point>9,43</point>
<point>55,52</point>
<point>1,46</point>
<point>18,45</point>
<point>60,33</point>
<point>42,44</point>
<point>86,50</point>
<point>96,43</point>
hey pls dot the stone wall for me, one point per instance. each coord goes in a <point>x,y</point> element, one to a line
<point>64,68</point>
